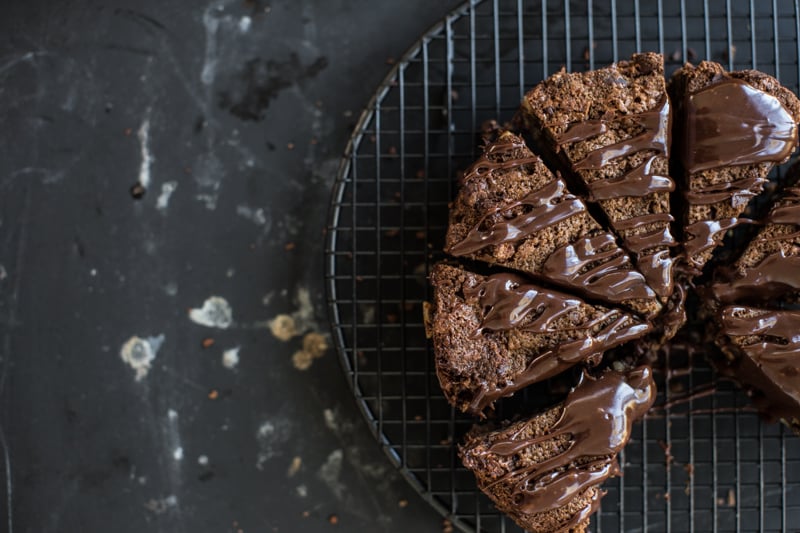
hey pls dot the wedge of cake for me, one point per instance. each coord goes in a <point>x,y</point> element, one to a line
<point>494,335</point>
<point>513,211</point>
<point>762,349</point>
<point>612,128</point>
<point>545,472</point>
<point>769,267</point>
<point>735,126</point>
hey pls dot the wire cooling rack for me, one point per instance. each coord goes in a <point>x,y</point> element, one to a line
<point>700,463</point>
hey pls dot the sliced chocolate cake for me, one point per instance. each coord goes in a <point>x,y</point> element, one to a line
<point>612,128</point>
<point>545,472</point>
<point>769,267</point>
<point>494,335</point>
<point>513,211</point>
<point>762,349</point>
<point>735,126</point>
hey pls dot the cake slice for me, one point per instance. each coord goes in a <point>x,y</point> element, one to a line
<point>612,128</point>
<point>769,267</point>
<point>546,472</point>
<point>513,211</point>
<point>762,349</point>
<point>735,126</point>
<point>494,335</point>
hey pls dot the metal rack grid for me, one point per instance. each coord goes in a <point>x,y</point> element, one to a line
<point>706,464</point>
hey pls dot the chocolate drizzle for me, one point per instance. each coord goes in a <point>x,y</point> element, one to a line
<point>775,276</point>
<point>544,207</point>
<point>509,303</point>
<point>598,267</point>
<point>640,181</point>
<point>770,364</point>
<point>788,212</point>
<point>738,192</point>
<point>732,123</point>
<point>597,415</point>
<point>706,234</point>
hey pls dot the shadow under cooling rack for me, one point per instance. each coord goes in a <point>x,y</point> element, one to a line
<point>708,464</point>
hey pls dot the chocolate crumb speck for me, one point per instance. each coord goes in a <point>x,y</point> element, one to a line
<point>213,394</point>
<point>333,519</point>
<point>290,146</point>
<point>208,342</point>
<point>289,246</point>
<point>402,503</point>
<point>137,191</point>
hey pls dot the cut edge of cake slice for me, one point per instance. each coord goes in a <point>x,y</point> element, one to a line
<point>495,335</point>
<point>546,471</point>
<point>511,210</point>
<point>722,167</point>
<point>762,354</point>
<point>769,267</point>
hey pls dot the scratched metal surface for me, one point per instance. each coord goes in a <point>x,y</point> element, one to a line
<point>201,101</point>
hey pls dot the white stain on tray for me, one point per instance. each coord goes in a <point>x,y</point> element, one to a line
<point>216,312</point>
<point>147,158</point>
<point>167,189</point>
<point>331,471</point>
<point>139,353</point>
<point>230,358</point>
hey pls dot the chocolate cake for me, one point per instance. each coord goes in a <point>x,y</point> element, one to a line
<point>513,211</point>
<point>762,349</point>
<point>604,236</point>
<point>611,129</point>
<point>494,335</point>
<point>769,267</point>
<point>545,472</point>
<point>735,127</point>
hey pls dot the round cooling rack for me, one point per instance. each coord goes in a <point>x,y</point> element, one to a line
<point>701,462</point>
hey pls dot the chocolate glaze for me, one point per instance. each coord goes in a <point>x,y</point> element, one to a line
<point>545,207</point>
<point>598,267</point>
<point>788,212</point>
<point>771,364</point>
<point>597,415</point>
<point>638,182</point>
<point>732,123</point>
<point>775,276</point>
<point>510,303</point>
<point>738,192</point>
<point>705,234</point>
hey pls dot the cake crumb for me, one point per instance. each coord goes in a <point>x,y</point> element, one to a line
<point>289,246</point>
<point>447,526</point>
<point>667,453</point>
<point>731,498</point>
<point>315,344</point>
<point>295,465</point>
<point>213,394</point>
<point>333,519</point>
<point>283,327</point>
<point>208,342</point>
<point>402,504</point>
<point>302,360</point>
